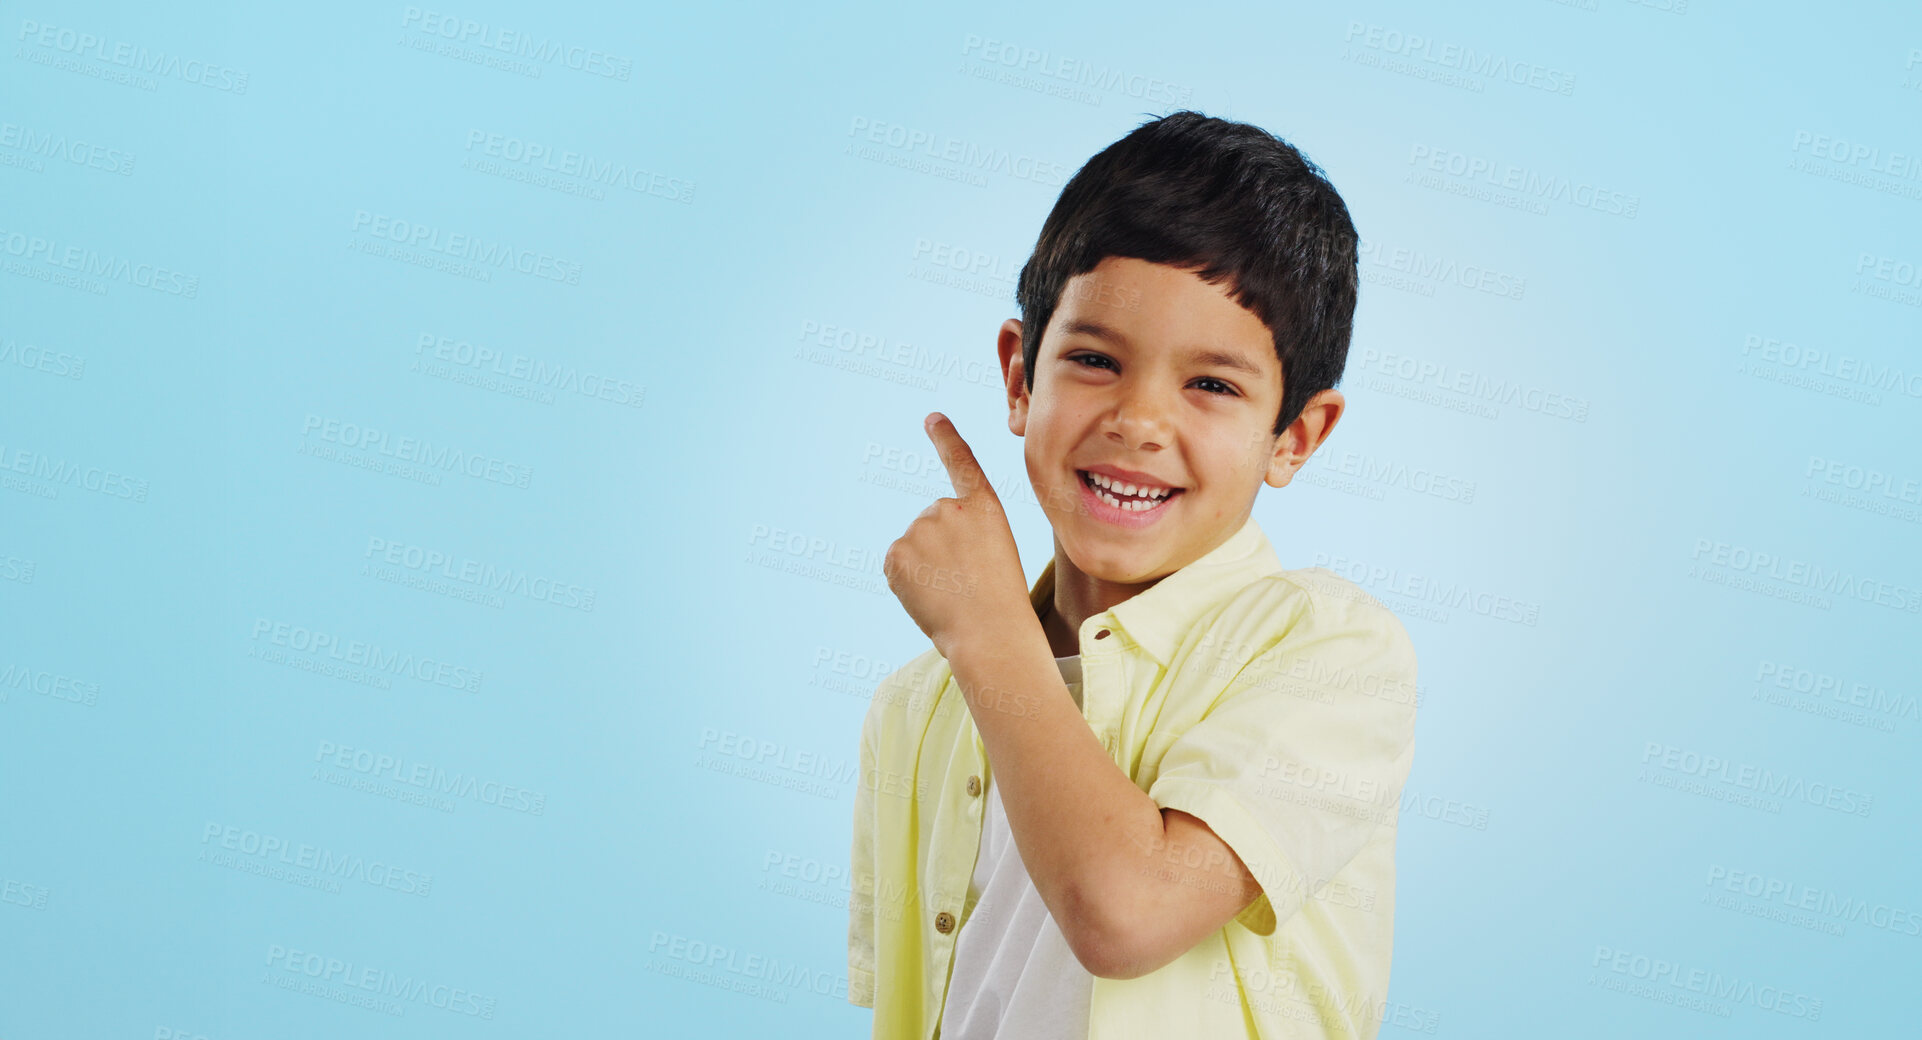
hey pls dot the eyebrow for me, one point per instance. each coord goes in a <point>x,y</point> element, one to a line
<point>1199,355</point>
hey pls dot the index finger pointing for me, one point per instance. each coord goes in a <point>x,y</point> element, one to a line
<point>964,472</point>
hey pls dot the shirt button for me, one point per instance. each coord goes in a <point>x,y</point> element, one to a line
<point>1103,634</point>
<point>944,922</point>
<point>974,785</point>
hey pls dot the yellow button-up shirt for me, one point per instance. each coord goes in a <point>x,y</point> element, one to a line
<point>1277,706</point>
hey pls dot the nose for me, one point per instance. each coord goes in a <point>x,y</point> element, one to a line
<point>1140,421</point>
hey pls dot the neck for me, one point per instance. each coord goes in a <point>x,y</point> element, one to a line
<point>1079,596</point>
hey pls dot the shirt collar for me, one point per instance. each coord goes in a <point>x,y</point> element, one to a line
<point>1157,618</point>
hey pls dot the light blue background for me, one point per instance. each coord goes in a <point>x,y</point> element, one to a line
<point>124,914</point>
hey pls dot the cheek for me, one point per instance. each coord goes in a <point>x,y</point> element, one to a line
<point>1237,455</point>
<point>1258,449</point>
<point>1060,421</point>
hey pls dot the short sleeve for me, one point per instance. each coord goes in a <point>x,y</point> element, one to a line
<point>1304,754</point>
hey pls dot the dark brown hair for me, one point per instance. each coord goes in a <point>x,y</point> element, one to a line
<point>1222,199</point>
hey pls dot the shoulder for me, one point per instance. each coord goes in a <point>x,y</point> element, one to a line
<point>908,691</point>
<point>1313,620</point>
<point>1336,603</point>
<point>1309,600</point>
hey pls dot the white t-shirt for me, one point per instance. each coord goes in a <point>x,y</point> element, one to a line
<point>1014,975</point>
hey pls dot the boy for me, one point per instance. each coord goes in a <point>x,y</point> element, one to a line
<point>1155,794</point>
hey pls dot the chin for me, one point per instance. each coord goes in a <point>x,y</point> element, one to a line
<point>1120,568</point>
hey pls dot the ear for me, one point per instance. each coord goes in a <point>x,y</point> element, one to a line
<point>1008,345</point>
<point>1309,430</point>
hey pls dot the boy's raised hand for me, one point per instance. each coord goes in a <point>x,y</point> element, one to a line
<point>957,570</point>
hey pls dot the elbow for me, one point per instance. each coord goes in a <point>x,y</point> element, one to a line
<point>1105,955</point>
<point>1108,955</point>
<point>1102,938</point>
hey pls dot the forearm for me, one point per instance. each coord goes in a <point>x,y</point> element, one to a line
<point>1084,831</point>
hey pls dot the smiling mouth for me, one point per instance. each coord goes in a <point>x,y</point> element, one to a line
<point>1125,496</point>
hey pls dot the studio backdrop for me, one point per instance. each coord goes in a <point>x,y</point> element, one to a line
<point>447,457</point>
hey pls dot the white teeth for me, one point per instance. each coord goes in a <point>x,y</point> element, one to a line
<point>1133,504</point>
<point>1121,487</point>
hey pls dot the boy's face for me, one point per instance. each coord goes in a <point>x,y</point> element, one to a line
<point>1147,370</point>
